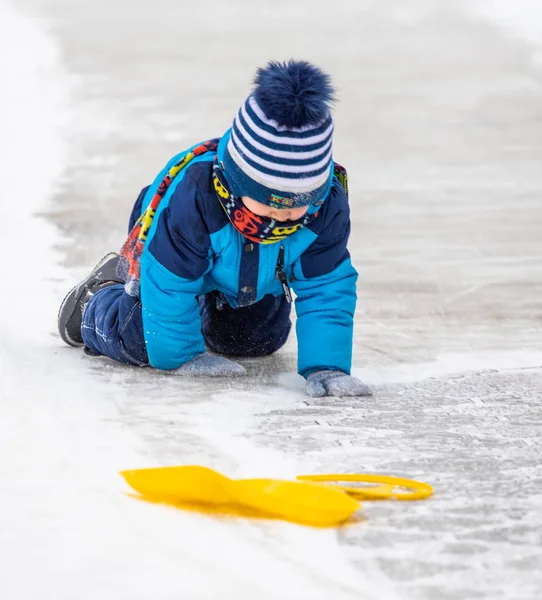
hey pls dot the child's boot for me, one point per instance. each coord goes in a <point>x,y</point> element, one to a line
<point>71,310</point>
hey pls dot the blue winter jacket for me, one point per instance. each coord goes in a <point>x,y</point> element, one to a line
<point>192,249</point>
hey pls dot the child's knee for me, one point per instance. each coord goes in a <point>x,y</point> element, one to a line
<point>113,326</point>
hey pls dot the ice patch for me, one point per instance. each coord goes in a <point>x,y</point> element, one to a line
<point>451,364</point>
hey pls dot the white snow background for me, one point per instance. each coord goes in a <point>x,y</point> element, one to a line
<point>521,18</point>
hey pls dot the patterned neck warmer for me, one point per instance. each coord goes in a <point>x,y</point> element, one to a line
<point>262,230</point>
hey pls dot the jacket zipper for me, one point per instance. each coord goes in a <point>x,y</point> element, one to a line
<point>281,276</point>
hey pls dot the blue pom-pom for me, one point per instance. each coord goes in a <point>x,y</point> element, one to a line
<point>294,93</point>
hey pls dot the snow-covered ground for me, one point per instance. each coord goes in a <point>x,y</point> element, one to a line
<point>439,124</point>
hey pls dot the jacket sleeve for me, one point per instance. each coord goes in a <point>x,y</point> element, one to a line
<point>172,269</point>
<point>325,288</point>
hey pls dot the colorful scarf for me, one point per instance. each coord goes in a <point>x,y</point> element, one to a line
<point>262,230</point>
<point>131,251</point>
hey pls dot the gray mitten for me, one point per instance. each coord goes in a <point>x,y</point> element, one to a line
<point>206,365</point>
<point>335,383</point>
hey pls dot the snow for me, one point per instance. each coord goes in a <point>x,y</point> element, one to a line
<point>522,18</point>
<point>440,106</point>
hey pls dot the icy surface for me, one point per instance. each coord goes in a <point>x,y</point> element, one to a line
<point>440,127</point>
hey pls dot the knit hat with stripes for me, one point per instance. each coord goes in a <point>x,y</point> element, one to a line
<point>279,149</point>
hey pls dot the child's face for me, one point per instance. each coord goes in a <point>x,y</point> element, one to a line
<point>278,214</point>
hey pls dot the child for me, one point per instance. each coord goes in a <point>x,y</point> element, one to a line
<point>218,239</point>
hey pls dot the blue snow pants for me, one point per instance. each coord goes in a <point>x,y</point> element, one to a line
<point>113,326</point>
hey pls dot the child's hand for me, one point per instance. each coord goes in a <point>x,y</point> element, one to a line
<point>335,383</point>
<point>205,365</point>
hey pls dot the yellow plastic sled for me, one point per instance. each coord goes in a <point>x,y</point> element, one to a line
<point>300,502</point>
<point>311,500</point>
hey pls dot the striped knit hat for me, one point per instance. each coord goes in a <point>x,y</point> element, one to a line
<point>279,149</point>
